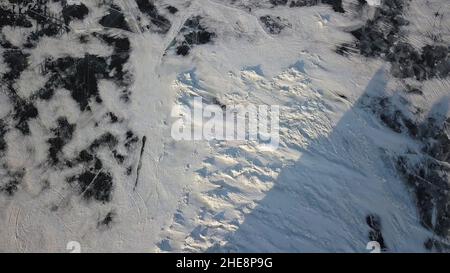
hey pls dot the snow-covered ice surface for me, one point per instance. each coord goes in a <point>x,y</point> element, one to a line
<point>88,89</point>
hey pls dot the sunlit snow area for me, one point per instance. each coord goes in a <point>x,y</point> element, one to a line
<point>91,90</point>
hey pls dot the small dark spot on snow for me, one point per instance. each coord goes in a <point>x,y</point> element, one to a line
<point>274,24</point>
<point>172,9</point>
<point>107,221</point>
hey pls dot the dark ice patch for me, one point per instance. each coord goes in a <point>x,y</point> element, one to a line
<point>114,19</point>
<point>23,112</point>
<point>62,135</point>
<point>279,2</point>
<point>3,131</point>
<point>426,171</point>
<point>382,37</point>
<point>160,24</point>
<point>119,57</point>
<point>192,33</point>
<point>85,157</point>
<point>112,117</point>
<point>17,62</point>
<point>412,89</point>
<point>172,9</point>
<point>105,140</point>
<point>80,76</point>
<point>437,244</point>
<point>393,118</point>
<point>274,24</point>
<point>76,11</point>
<point>9,184</point>
<point>183,50</point>
<point>428,179</point>
<point>164,245</point>
<point>13,16</point>
<point>10,187</point>
<point>94,172</point>
<point>379,34</point>
<point>335,4</point>
<point>48,23</point>
<point>374,222</point>
<point>23,13</point>
<point>131,140</point>
<point>430,62</point>
<point>144,141</point>
<point>107,221</point>
<point>83,38</point>
<point>95,185</point>
<point>119,157</point>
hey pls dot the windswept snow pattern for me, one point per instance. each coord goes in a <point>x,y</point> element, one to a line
<point>87,155</point>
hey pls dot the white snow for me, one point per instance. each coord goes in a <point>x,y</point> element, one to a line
<point>374,2</point>
<point>312,194</point>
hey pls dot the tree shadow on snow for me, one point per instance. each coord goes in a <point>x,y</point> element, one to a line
<point>341,193</point>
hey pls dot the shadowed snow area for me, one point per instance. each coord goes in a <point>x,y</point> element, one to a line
<point>310,206</point>
<point>88,92</point>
